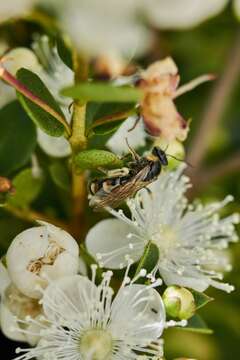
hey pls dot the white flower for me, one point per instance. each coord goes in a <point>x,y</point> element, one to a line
<point>136,137</point>
<point>39,254</point>
<point>113,27</point>
<point>106,27</point>
<point>187,236</point>
<point>86,323</point>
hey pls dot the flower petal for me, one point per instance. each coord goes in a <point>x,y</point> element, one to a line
<point>8,324</point>
<point>53,146</point>
<point>106,27</point>
<point>136,137</point>
<point>4,278</point>
<point>144,314</point>
<point>196,283</point>
<point>68,299</point>
<point>109,242</point>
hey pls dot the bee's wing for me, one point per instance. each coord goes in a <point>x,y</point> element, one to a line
<point>120,193</point>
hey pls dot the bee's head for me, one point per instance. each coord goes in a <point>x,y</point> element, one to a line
<point>161,155</point>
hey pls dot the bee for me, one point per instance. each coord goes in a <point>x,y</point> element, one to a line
<point>123,183</point>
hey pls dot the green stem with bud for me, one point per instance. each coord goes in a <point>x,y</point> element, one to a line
<point>110,118</point>
<point>78,141</point>
<point>33,216</point>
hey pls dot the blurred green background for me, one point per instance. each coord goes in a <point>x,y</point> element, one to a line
<point>212,47</point>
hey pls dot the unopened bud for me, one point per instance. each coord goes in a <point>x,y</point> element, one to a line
<point>179,302</point>
<point>40,254</point>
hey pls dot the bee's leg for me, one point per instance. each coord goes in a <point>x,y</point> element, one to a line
<point>70,106</point>
<point>104,171</point>
<point>134,154</point>
<point>135,123</point>
<point>118,172</point>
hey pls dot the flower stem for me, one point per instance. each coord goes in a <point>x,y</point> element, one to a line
<point>14,82</point>
<point>111,118</point>
<point>78,142</point>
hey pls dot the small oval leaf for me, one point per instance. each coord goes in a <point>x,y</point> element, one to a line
<point>60,175</point>
<point>102,92</point>
<point>26,188</point>
<point>197,324</point>
<point>93,159</point>
<point>201,299</point>
<point>149,259</point>
<point>40,117</point>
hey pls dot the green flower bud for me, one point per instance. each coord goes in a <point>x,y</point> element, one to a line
<point>179,302</point>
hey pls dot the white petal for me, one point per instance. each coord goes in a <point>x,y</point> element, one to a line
<point>8,324</point>
<point>4,278</point>
<point>21,58</point>
<point>136,137</point>
<point>110,239</point>
<point>62,237</point>
<point>68,299</point>
<point>65,265</point>
<point>180,14</point>
<point>106,27</point>
<point>53,146</point>
<point>196,283</point>
<point>138,314</point>
<point>7,94</point>
<point>31,245</point>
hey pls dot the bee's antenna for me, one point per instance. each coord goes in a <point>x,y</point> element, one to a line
<point>186,162</point>
<point>132,151</point>
<point>166,148</point>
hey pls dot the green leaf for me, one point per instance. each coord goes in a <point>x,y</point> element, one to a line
<point>93,159</point>
<point>102,92</point>
<point>197,324</point>
<point>17,138</point>
<point>108,128</point>
<point>111,114</point>
<point>149,259</point>
<point>40,117</point>
<point>201,299</point>
<point>60,175</point>
<point>26,188</point>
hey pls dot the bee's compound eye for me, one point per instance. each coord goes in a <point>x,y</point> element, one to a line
<point>161,155</point>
